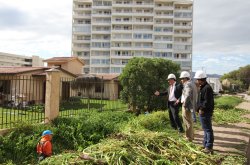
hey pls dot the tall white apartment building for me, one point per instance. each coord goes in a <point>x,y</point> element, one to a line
<point>107,33</point>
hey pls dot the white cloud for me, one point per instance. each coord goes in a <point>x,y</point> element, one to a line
<point>36,27</point>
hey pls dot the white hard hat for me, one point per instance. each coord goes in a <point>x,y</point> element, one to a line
<point>171,76</point>
<point>185,74</point>
<point>200,74</point>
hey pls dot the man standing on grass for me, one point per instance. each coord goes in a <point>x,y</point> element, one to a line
<point>205,108</point>
<point>174,94</point>
<point>187,99</point>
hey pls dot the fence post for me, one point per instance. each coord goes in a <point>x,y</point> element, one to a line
<point>52,94</point>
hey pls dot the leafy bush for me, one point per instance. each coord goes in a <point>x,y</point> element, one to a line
<point>19,146</point>
<point>89,129</point>
<point>156,121</point>
<point>142,77</point>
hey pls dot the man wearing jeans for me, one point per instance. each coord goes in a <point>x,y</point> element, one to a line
<point>205,109</point>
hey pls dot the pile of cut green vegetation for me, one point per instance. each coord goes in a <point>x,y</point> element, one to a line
<point>143,148</point>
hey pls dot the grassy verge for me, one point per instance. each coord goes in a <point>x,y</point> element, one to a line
<point>225,111</point>
<point>222,116</point>
<point>227,102</point>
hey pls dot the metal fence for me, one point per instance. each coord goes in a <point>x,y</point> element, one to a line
<point>77,97</point>
<point>22,98</point>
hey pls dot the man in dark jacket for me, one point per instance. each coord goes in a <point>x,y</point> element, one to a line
<point>205,109</point>
<point>174,94</point>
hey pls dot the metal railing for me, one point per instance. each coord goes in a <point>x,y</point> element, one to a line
<point>22,98</point>
<point>92,95</point>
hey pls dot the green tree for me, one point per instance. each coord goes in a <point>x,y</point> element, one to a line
<point>240,77</point>
<point>142,77</point>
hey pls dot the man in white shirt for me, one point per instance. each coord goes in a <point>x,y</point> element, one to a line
<point>174,93</point>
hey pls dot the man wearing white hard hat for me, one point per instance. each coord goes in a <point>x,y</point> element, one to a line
<point>187,100</point>
<point>174,93</point>
<point>205,109</point>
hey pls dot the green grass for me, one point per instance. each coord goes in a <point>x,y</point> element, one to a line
<point>227,102</point>
<point>222,116</point>
<point>9,117</point>
<point>225,111</point>
<point>80,107</point>
<point>35,114</point>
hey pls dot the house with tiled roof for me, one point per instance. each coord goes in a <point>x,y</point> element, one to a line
<point>101,86</point>
<point>25,84</point>
<point>71,64</point>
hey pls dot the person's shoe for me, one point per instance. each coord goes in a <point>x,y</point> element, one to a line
<point>208,151</point>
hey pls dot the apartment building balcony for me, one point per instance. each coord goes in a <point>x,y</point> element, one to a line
<point>121,31</point>
<point>113,48</point>
<point>137,48</point>
<point>117,65</point>
<point>99,49</point>
<point>86,1</point>
<point>118,22</point>
<point>100,40</point>
<point>143,5</point>
<point>115,13</point>
<point>80,48</point>
<point>122,5</point>
<point>143,31</point>
<point>86,58</point>
<point>82,33</point>
<point>97,15</point>
<point>101,31</point>
<point>184,27</point>
<point>121,56</point>
<point>142,40</point>
<point>183,19</point>
<point>185,51</point>
<point>81,16</point>
<point>163,41</point>
<point>183,42</point>
<point>163,33</point>
<point>143,22</point>
<point>170,16</point>
<point>145,14</point>
<point>125,38</point>
<point>102,7</point>
<point>164,8</point>
<point>163,24</point>
<point>182,34</point>
<point>100,67</point>
<point>101,23</point>
<point>80,41</point>
<point>82,9</point>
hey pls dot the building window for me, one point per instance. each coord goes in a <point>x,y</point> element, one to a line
<point>99,88</point>
<point>5,86</point>
<point>28,60</point>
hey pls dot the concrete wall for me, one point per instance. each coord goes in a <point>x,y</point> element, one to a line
<point>74,67</point>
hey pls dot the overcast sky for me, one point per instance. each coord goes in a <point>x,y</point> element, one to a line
<point>221,31</point>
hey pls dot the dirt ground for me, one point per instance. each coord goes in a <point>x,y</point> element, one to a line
<point>230,138</point>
